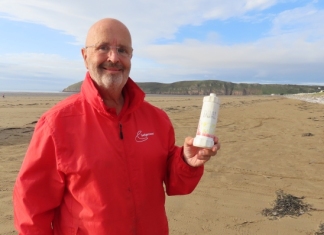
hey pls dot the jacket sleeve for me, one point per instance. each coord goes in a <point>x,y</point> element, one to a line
<point>180,178</point>
<point>39,186</point>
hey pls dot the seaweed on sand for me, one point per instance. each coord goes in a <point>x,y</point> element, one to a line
<point>286,205</point>
<point>321,230</point>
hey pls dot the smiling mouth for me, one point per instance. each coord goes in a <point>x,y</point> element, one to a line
<point>111,68</point>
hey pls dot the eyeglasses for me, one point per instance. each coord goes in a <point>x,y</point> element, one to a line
<point>122,51</point>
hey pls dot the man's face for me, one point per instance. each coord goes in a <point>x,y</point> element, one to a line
<point>107,55</point>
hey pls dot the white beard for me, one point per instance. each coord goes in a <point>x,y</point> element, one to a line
<point>111,81</point>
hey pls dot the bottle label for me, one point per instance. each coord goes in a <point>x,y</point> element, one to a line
<point>208,119</point>
<point>207,122</point>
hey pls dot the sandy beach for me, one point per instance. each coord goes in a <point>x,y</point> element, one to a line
<point>269,143</point>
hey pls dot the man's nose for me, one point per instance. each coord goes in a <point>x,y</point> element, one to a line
<point>113,55</point>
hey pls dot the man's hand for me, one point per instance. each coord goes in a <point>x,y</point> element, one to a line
<point>195,156</point>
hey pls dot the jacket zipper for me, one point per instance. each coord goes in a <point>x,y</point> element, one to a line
<point>121,136</point>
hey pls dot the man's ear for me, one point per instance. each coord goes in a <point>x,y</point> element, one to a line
<point>84,55</point>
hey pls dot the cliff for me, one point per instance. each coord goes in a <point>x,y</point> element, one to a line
<point>213,86</point>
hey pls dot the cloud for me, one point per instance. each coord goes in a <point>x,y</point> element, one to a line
<point>232,8</point>
<point>36,70</point>
<point>147,20</point>
<point>291,50</point>
<point>304,22</point>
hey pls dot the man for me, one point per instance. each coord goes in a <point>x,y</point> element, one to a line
<point>97,161</point>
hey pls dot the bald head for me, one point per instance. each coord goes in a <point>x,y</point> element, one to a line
<point>107,56</point>
<point>109,27</point>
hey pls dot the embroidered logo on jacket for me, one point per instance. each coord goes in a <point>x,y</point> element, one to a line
<point>141,137</point>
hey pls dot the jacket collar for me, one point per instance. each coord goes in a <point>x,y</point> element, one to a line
<point>133,96</point>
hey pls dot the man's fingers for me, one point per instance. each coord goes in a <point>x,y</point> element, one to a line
<point>217,146</point>
<point>189,140</point>
<point>204,158</point>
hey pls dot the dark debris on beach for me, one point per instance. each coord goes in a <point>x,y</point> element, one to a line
<point>321,230</point>
<point>307,134</point>
<point>287,205</point>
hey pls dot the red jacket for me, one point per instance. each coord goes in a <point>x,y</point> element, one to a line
<point>89,171</point>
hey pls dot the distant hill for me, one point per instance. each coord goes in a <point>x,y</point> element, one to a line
<point>214,86</point>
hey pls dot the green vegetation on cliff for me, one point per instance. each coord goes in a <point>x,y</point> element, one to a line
<point>213,86</point>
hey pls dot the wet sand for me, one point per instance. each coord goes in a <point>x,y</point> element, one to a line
<point>268,143</point>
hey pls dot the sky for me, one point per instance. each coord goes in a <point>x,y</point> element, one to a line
<point>239,41</point>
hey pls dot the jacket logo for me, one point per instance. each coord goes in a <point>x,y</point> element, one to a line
<point>141,137</point>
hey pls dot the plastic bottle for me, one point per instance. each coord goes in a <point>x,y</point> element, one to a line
<point>207,122</point>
